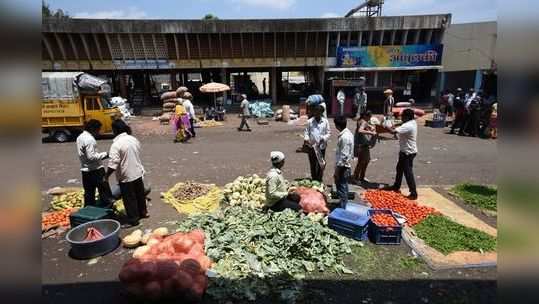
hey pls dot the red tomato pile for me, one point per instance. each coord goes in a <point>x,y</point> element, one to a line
<point>413,212</point>
<point>174,267</point>
<point>384,220</point>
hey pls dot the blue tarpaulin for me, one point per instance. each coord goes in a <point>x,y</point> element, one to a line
<point>261,109</point>
<point>315,99</point>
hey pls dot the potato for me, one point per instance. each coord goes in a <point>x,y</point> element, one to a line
<point>131,241</point>
<point>161,231</point>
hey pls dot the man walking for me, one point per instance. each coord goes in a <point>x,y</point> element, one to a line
<point>360,102</point>
<point>343,159</point>
<point>93,172</point>
<point>245,113</point>
<point>125,161</point>
<point>264,86</point>
<point>407,134</point>
<point>316,136</point>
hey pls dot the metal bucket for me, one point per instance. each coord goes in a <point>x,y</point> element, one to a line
<point>81,249</point>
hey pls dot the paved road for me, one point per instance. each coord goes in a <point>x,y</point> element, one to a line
<point>218,155</point>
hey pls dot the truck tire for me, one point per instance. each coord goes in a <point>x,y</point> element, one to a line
<point>61,136</point>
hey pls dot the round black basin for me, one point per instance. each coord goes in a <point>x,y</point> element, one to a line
<point>81,249</point>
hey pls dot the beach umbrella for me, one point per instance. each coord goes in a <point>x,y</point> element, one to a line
<point>214,87</point>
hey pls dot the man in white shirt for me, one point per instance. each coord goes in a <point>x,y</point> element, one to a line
<point>407,134</point>
<point>125,161</point>
<point>190,109</point>
<point>316,136</point>
<point>318,99</point>
<point>93,172</point>
<point>245,113</point>
<point>343,159</point>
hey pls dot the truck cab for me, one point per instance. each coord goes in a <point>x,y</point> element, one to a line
<point>65,107</point>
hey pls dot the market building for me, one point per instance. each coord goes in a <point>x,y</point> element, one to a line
<point>281,60</point>
<point>469,60</point>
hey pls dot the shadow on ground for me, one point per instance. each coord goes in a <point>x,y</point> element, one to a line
<point>313,291</point>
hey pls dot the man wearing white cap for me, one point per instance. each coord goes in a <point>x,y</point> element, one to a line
<point>389,102</point>
<point>277,196</point>
<point>245,113</point>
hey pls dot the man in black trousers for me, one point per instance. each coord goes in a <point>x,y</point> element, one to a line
<point>91,161</point>
<point>125,162</point>
<point>407,134</point>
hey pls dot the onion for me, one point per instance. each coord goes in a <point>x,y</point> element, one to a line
<point>153,290</point>
<point>198,236</point>
<point>183,280</point>
<point>191,266</point>
<point>166,269</point>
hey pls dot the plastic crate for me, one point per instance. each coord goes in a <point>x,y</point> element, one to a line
<point>349,224</point>
<point>384,235</point>
<point>88,214</point>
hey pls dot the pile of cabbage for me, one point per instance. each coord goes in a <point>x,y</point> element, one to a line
<point>246,191</point>
<point>266,254</point>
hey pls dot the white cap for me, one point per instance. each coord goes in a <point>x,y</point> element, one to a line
<point>244,96</point>
<point>276,156</point>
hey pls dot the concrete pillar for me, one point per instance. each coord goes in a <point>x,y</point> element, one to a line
<point>478,80</point>
<point>321,77</point>
<point>224,78</point>
<point>273,78</point>
<point>441,82</point>
<point>173,81</point>
<point>123,86</point>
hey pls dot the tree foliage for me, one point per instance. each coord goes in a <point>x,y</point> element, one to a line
<point>210,17</point>
<point>47,12</point>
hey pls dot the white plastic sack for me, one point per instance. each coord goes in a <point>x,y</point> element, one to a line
<point>388,123</point>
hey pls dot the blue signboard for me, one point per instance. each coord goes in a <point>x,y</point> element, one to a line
<point>390,56</point>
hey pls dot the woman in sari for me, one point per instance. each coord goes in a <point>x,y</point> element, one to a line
<point>181,124</point>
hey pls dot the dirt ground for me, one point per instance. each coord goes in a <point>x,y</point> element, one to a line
<point>218,155</point>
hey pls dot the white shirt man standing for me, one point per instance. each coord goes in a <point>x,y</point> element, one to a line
<point>343,159</point>
<point>125,161</point>
<point>316,136</point>
<point>407,134</point>
<point>93,172</point>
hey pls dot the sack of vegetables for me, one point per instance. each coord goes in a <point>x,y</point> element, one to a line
<point>312,200</point>
<point>172,267</point>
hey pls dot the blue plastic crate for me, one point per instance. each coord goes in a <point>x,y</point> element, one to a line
<point>384,235</point>
<point>349,224</point>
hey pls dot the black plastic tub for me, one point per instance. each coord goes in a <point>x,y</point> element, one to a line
<point>81,249</point>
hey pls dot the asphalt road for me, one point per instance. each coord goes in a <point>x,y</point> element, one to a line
<point>218,155</point>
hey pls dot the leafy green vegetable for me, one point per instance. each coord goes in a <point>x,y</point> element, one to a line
<point>446,236</point>
<point>259,253</point>
<point>309,183</point>
<point>481,196</point>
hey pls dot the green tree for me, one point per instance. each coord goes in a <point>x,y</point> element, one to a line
<point>45,9</point>
<point>210,17</point>
<point>46,12</point>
